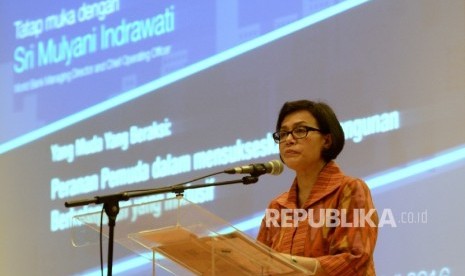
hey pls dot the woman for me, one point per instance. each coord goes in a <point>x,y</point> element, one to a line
<point>326,220</point>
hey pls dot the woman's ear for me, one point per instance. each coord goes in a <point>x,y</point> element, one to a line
<point>328,141</point>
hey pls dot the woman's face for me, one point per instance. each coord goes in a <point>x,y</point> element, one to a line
<point>304,153</point>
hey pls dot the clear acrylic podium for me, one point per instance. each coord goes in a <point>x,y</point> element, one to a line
<point>183,238</point>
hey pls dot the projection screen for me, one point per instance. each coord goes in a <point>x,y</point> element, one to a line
<point>99,97</point>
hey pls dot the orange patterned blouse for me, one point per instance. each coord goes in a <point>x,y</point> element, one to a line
<point>343,240</point>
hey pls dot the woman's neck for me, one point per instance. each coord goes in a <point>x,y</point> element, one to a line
<point>306,179</point>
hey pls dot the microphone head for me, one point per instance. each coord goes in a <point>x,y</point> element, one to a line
<point>274,167</point>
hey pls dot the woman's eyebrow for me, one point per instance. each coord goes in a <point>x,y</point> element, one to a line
<point>299,123</point>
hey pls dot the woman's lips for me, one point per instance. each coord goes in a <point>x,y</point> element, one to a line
<point>291,152</point>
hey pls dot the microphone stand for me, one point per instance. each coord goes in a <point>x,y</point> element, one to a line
<point>111,203</point>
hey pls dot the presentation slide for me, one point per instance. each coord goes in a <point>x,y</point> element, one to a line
<point>99,97</point>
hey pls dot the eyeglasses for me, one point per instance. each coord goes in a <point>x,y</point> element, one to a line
<point>297,133</point>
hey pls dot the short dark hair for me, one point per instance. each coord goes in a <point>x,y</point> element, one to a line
<point>327,123</point>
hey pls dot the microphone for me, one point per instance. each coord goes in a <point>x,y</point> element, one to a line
<point>274,167</point>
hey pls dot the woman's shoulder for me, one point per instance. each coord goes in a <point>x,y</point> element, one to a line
<point>280,199</point>
<point>346,181</point>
